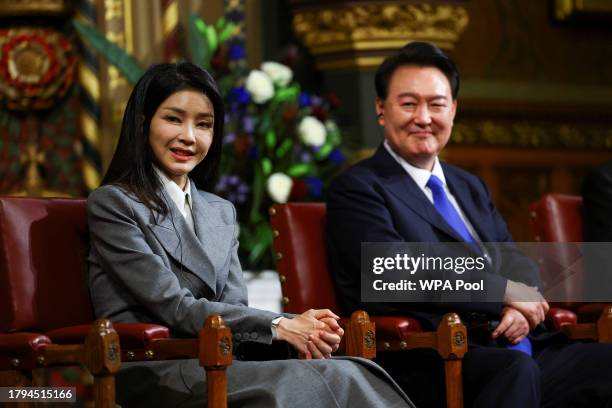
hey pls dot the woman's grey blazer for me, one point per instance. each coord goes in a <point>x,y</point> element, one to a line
<point>144,267</point>
<point>147,268</point>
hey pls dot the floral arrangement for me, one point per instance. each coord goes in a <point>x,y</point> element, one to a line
<point>280,143</point>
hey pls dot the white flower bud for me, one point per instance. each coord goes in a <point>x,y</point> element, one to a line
<point>259,86</point>
<point>281,74</point>
<point>279,187</point>
<point>311,131</point>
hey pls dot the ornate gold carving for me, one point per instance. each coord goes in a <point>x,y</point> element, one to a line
<point>224,345</point>
<point>34,7</point>
<point>458,339</point>
<point>370,339</point>
<point>376,27</point>
<point>533,134</point>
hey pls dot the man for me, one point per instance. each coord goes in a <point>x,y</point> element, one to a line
<point>404,193</point>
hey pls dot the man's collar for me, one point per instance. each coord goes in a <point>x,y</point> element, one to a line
<point>420,176</point>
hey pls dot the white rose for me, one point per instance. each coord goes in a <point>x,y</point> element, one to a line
<point>259,86</point>
<point>281,74</point>
<point>279,186</point>
<point>311,131</point>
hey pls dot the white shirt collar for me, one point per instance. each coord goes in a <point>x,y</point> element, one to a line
<point>420,176</point>
<point>174,191</point>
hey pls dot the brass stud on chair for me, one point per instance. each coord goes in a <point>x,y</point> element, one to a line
<point>285,300</point>
<point>282,278</point>
<point>275,233</point>
<point>40,360</point>
<point>538,238</point>
<point>386,345</point>
<point>149,354</point>
<point>403,345</point>
<point>272,211</point>
<point>532,214</point>
<point>15,362</point>
<point>279,256</point>
<point>130,355</point>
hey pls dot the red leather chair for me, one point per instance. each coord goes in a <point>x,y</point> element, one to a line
<point>46,314</point>
<point>558,218</point>
<point>299,232</point>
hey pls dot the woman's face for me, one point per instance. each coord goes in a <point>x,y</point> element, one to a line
<point>181,133</point>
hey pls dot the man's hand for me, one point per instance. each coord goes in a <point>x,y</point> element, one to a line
<point>314,333</point>
<point>527,300</point>
<point>513,326</point>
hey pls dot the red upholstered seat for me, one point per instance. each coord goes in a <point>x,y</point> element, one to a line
<point>558,218</point>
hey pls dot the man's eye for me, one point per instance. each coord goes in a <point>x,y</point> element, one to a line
<point>409,104</point>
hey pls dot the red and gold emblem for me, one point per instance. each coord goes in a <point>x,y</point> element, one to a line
<point>37,67</point>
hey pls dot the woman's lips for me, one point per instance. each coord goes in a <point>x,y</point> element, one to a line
<point>180,154</point>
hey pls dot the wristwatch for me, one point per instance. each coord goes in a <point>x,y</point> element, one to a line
<point>274,325</point>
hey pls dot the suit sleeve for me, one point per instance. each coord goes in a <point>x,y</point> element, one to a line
<point>127,258</point>
<point>358,212</point>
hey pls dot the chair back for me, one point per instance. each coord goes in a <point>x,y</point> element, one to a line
<point>558,218</point>
<point>43,251</point>
<point>301,256</point>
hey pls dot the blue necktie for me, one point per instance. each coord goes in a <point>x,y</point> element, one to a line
<point>447,210</point>
<point>450,214</point>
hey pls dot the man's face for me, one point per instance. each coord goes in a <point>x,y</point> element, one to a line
<point>417,114</point>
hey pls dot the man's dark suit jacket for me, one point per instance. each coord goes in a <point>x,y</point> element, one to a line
<point>377,201</point>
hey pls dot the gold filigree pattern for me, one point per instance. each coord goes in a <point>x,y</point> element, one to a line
<point>376,27</point>
<point>533,134</point>
<point>34,7</point>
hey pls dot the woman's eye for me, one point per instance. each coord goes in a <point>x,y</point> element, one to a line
<point>205,125</point>
<point>173,119</point>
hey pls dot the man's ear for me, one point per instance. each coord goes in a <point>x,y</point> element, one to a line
<point>379,111</point>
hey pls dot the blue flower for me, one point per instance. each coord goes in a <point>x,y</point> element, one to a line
<point>236,52</point>
<point>304,99</point>
<point>239,95</point>
<point>233,188</point>
<point>229,138</point>
<point>253,153</point>
<point>315,185</point>
<point>305,157</point>
<point>336,156</point>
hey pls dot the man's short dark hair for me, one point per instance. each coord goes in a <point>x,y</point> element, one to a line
<point>421,54</point>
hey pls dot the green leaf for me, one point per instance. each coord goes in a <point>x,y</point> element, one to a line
<point>299,170</point>
<point>284,148</point>
<point>125,63</point>
<point>220,23</point>
<point>264,241</point>
<point>266,166</point>
<point>258,186</point>
<point>288,94</point>
<point>270,139</point>
<point>211,38</point>
<point>227,32</point>
<point>324,151</point>
<point>197,44</point>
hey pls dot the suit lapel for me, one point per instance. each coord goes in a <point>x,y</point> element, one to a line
<point>403,187</point>
<point>461,191</point>
<point>186,250</point>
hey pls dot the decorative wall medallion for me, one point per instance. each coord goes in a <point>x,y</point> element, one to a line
<point>37,67</point>
<point>370,339</point>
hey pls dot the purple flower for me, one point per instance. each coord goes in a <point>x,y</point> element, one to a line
<point>336,156</point>
<point>305,157</point>
<point>233,188</point>
<point>253,153</point>
<point>316,100</point>
<point>236,52</point>
<point>315,186</point>
<point>247,124</point>
<point>229,138</point>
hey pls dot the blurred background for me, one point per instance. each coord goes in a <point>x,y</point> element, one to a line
<point>535,104</point>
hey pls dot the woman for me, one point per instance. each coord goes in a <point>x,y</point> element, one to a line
<point>164,250</point>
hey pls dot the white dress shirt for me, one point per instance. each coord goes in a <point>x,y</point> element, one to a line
<point>182,198</point>
<point>421,177</point>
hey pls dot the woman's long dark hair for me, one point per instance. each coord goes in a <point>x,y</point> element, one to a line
<point>132,164</point>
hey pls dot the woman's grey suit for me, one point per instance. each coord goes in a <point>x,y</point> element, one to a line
<point>144,267</point>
